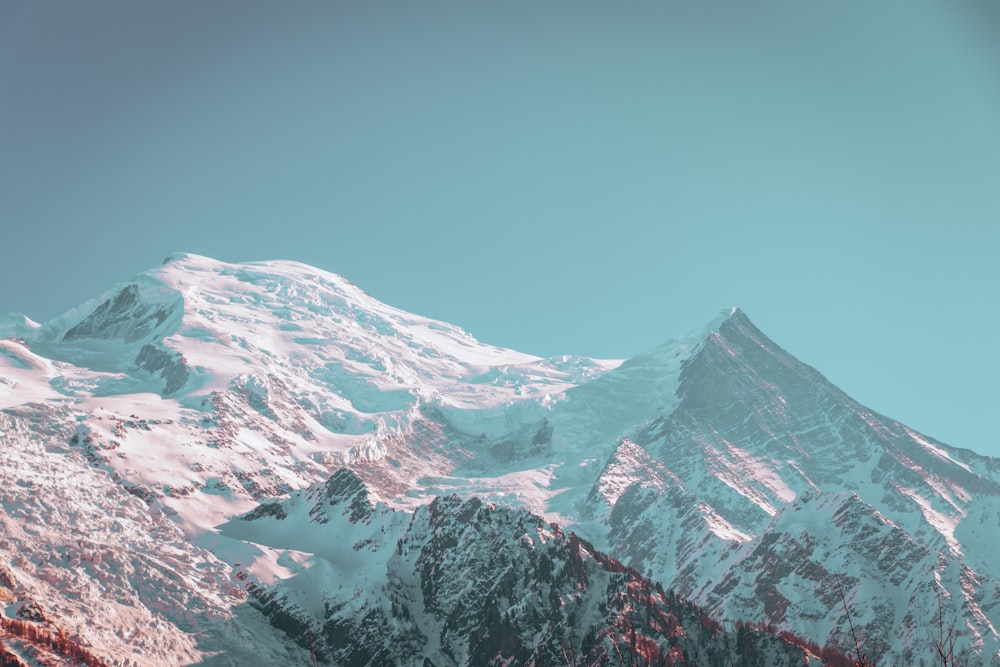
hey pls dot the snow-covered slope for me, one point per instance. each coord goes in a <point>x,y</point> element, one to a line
<point>199,391</point>
<point>767,489</point>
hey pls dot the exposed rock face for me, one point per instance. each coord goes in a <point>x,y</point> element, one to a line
<point>171,367</point>
<point>469,583</point>
<point>125,317</point>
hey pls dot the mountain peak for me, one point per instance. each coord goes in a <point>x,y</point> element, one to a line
<point>343,488</point>
<point>177,265</point>
<point>725,315</point>
<point>737,359</point>
<point>730,318</point>
<point>713,325</point>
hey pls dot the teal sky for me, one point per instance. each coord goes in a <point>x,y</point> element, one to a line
<point>558,177</point>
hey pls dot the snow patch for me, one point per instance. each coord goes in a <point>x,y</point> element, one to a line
<point>935,450</point>
<point>944,524</point>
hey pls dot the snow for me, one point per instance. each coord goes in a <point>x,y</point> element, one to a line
<point>24,376</point>
<point>941,522</point>
<point>751,478</point>
<point>794,466</point>
<point>935,450</point>
<point>720,527</point>
<point>94,556</point>
<point>630,465</point>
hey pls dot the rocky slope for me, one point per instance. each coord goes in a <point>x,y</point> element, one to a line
<point>460,581</point>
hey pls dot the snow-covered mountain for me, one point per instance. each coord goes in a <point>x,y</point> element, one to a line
<point>767,489</point>
<point>136,430</point>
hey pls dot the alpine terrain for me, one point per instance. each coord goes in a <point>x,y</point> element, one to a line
<point>242,464</point>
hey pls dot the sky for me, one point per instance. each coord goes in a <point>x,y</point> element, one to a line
<point>579,177</point>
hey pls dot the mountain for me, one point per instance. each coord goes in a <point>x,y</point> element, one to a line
<point>165,448</point>
<point>767,489</point>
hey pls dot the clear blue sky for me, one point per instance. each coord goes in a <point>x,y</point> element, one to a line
<point>558,177</point>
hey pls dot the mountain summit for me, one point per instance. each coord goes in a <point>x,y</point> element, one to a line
<point>159,441</point>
